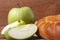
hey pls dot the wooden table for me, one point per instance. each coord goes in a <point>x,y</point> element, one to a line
<point>41,8</point>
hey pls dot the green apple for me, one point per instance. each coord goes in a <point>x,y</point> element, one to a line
<point>23,13</point>
<point>23,32</point>
<point>14,24</point>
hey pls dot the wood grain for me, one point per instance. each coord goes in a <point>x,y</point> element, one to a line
<point>41,8</point>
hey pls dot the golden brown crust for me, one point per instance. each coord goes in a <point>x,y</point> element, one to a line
<point>49,27</point>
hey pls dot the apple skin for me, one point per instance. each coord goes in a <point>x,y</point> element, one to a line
<point>23,13</point>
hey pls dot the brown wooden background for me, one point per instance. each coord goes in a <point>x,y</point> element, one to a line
<point>40,8</point>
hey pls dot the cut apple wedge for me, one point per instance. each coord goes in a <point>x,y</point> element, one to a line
<point>22,32</point>
<point>14,24</point>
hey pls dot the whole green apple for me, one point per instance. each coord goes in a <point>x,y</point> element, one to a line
<point>23,13</point>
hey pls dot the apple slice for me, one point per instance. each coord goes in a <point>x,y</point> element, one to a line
<point>22,32</point>
<point>14,24</point>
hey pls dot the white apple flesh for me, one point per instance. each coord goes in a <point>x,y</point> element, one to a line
<point>22,32</point>
<point>14,24</point>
